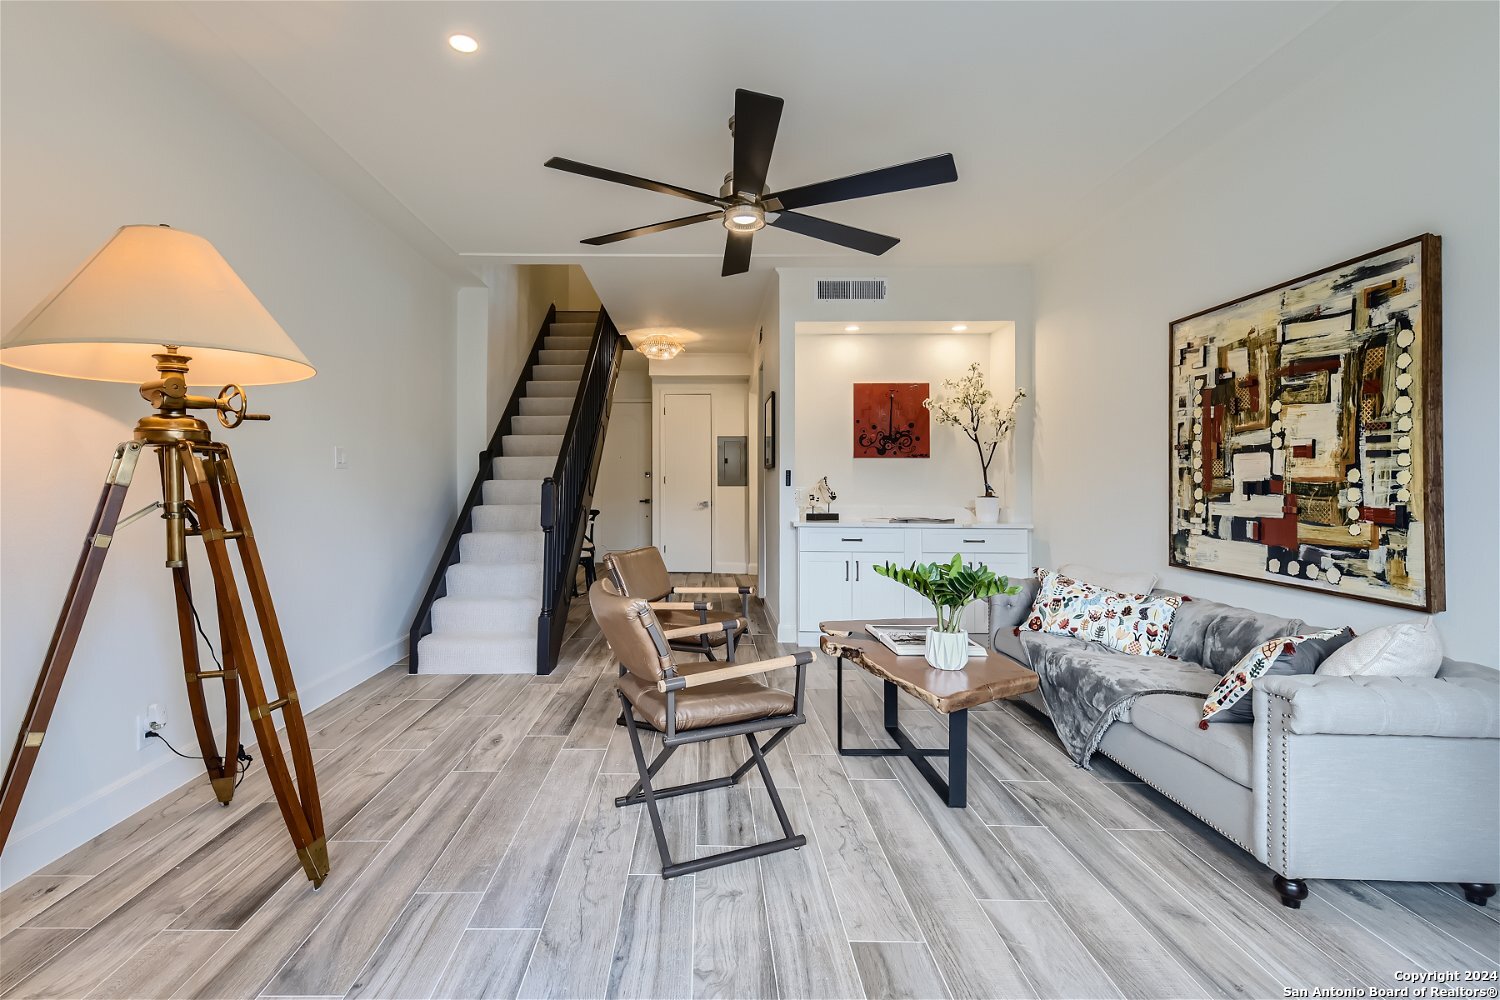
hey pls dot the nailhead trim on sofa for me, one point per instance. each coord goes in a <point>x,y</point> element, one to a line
<point>1185,808</point>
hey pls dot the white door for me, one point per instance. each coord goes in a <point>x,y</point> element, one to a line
<point>686,518</point>
<point>622,492</point>
<point>825,582</point>
<point>876,596</point>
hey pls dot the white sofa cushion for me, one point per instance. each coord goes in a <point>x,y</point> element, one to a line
<point>1408,649</point>
<point>1127,583</point>
<point>1173,719</point>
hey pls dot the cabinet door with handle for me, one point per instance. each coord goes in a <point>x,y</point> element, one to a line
<point>825,583</point>
<point>876,596</point>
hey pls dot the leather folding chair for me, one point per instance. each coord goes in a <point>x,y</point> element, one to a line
<point>695,703</point>
<point>642,573</point>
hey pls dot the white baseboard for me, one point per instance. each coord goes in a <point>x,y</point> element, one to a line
<point>45,840</point>
<point>731,567</point>
<point>753,568</point>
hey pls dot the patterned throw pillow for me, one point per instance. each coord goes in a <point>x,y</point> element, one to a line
<point>1286,655</point>
<point>1137,624</point>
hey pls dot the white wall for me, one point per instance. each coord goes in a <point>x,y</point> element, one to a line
<point>942,485</point>
<point>102,128</point>
<point>915,294</point>
<point>1376,149</point>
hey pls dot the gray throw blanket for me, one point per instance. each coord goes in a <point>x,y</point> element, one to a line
<point>1088,687</point>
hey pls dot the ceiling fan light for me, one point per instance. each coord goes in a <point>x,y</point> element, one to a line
<point>744,218</point>
<point>463,43</point>
<point>660,347</point>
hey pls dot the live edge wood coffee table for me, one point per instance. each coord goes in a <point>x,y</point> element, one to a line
<point>952,692</point>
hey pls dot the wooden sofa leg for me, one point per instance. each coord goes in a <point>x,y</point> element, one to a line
<point>1477,893</point>
<point>1293,890</point>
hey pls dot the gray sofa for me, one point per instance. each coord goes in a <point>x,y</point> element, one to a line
<point>1338,777</point>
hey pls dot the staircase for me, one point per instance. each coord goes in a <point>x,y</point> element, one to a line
<point>482,608</point>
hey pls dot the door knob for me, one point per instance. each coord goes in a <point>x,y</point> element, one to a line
<point>702,504</point>
<point>646,500</point>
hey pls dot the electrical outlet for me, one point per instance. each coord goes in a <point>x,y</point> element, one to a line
<point>154,720</point>
<point>340,458</point>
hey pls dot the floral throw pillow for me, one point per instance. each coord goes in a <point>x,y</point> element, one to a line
<point>1137,624</point>
<point>1229,701</point>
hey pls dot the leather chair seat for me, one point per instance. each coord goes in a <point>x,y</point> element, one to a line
<point>739,700</point>
<point>682,619</point>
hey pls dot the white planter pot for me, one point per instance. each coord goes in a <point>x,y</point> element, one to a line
<point>987,510</point>
<point>947,650</point>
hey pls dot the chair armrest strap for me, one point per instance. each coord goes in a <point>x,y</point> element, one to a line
<point>733,670</point>
<point>728,625</point>
<point>680,605</point>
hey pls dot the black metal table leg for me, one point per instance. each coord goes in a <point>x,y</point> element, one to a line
<point>954,791</point>
<point>958,759</point>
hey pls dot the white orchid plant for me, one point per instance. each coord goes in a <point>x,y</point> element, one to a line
<point>972,408</point>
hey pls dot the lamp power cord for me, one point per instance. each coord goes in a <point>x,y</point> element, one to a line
<point>243,759</point>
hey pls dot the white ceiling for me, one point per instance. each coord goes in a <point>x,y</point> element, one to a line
<point>1042,104</point>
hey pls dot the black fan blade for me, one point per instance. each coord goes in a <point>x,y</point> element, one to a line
<point>833,232</point>
<point>918,173</point>
<point>737,253</point>
<point>574,167</point>
<point>756,118</point>
<point>625,234</point>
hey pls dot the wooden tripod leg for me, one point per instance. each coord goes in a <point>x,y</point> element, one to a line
<point>226,656</point>
<point>311,848</point>
<point>65,636</point>
<point>270,630</point>
<point>221,778</point>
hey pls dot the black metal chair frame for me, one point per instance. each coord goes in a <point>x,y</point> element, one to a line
<point>701,643</point>
<point>644,792</point>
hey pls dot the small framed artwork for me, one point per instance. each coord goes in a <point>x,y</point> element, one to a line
<point>890,420</point>
<point>768,431</point>
<point>1305,433</point>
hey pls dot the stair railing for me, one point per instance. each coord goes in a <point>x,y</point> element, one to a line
<point>568,492</point>
<point>421,624</point>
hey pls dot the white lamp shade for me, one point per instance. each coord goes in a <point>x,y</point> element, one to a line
<point>148,287</point>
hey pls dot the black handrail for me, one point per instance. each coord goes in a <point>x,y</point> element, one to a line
<point>568,492</point>
<point>422,622</point>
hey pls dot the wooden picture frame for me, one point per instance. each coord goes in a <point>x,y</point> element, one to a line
<point>768,431</point>
<point>1305,441</point>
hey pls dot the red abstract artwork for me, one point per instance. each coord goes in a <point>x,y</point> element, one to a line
<point>890,420</point>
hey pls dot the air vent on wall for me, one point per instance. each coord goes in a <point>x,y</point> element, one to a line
<point>844,289</point>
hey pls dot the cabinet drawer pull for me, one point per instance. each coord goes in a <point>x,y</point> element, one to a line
<point>974,541</point>
<point>851,539</point>
<point>856,571</point>
<point>846,571</point>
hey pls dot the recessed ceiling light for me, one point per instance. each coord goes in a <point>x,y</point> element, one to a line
<point>851,328</point>
<point>959,328</point>
<point>463,43</point>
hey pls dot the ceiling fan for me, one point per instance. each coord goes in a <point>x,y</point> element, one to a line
<point>743,202</point>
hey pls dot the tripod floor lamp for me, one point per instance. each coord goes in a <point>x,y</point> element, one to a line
<point>153,293</point>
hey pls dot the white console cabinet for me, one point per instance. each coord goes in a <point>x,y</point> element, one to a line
<point>836,578</point>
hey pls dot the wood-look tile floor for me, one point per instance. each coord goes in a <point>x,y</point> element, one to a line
<point>477,852</point>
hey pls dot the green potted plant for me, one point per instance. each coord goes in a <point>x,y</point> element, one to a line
<point>973,409</point>
<point>951,587</point>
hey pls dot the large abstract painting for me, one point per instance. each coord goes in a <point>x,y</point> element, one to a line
<point>890,420</point>
<point>1306,429</point>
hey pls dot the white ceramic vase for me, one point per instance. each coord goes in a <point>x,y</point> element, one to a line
<point>947,650</point>
<point>987,510</point>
